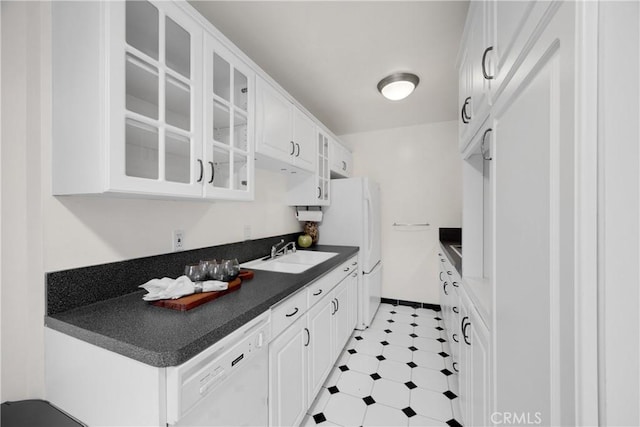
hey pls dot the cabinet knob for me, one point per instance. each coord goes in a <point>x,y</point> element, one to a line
<point>484,68</point>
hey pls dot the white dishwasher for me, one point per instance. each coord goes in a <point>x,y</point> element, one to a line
<point>225,385</point>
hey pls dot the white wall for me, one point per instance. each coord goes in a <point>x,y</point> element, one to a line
<point>619,214</point>
<point>42,233</point>
<point>419,170</point>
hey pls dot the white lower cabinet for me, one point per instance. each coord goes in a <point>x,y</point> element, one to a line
<point>469,344</point>
<point>301,357</point>
<point>474,366</point>
<point>288,375</point>
<point>320,348</point>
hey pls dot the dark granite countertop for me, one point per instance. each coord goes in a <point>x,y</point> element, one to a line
<point>162,337</point>
<point>449,237</point>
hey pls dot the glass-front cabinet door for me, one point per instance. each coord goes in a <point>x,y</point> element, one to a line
<point>322,173</point>
<point>229,117</point>
<point>156,51</point>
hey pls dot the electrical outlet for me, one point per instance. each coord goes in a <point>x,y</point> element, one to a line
<point>178,240</point>
<point>247,232</point>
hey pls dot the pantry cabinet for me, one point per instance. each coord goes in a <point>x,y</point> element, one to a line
<point>520,215</point>
<point>303,353</point>
<point>128,83</point>
<point>283,132</point>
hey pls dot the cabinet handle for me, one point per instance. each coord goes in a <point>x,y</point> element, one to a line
<point>201,170</point>
<point>455,337</point>
<point>293,148</point>
<point>454,366</point>
<point>347,269</point>
<point>449,273</point>
<point>319,192</point>
<point>337,305</point>
<point>213,173</point>
<point>317,293</point>
<point>455,310</point>
<point>484,58</point>
<point>464,330</point>
<point>344,165</point>
<point>441,276</point>
<point>444,288</point>
<point>354,263</point>
<point>308,337</point>
<point>333,303</point>
<point>292,314</point>
<point>355,274</point>
<point>482,149</point>
<point>439,254</point>
<point>465,116</point>
<point>455,285</point>
<point>298,153</point>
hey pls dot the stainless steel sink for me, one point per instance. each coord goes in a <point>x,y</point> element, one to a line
<point>294,263</point>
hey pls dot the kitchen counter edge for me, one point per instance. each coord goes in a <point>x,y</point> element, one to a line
<point>92,323</point>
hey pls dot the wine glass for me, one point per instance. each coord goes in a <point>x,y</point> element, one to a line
<point>195,272</point>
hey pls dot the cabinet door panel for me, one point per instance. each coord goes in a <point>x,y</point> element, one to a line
<point>320,355</point>
<point>304,136</point>
<point>273,122</point>
<point>534,191</point>
<point>156,92</point>
<point>342,330</point>
<point>288,376</point>
<point>229,125</point>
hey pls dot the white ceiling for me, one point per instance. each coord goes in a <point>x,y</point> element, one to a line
<point>330,55</point>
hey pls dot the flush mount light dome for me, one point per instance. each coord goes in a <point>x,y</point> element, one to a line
<point>398,86</point>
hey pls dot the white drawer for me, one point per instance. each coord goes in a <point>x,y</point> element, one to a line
<point>287,312</point>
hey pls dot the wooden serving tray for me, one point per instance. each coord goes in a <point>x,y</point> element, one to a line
<point>191,301</point>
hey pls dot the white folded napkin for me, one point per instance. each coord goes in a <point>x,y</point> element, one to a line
<point>167,288</point>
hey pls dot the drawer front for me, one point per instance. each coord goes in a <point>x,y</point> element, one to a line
<point>287,312</point>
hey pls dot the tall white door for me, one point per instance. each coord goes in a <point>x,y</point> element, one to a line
<point>534,150</point>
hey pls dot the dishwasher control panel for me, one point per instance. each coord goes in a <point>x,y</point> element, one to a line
<point>199,376</point>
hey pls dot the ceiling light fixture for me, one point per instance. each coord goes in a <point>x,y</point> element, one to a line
<point>398,86</point>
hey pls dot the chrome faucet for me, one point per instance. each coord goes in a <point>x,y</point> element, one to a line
<point>282,247</point>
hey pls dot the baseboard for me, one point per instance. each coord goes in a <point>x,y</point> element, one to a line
<point>414,304</point>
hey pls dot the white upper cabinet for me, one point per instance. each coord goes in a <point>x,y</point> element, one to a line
<point>475,71</point>
<point>312,190</point>
<point>283,132</point>
<point>341,160</point>
<point>127,82</point>
<point>129,115</point>
<point>228,149</point>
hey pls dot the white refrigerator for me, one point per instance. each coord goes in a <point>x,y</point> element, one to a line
<point>353,219</point>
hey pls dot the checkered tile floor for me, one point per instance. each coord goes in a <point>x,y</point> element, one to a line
<point>392,374</point>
